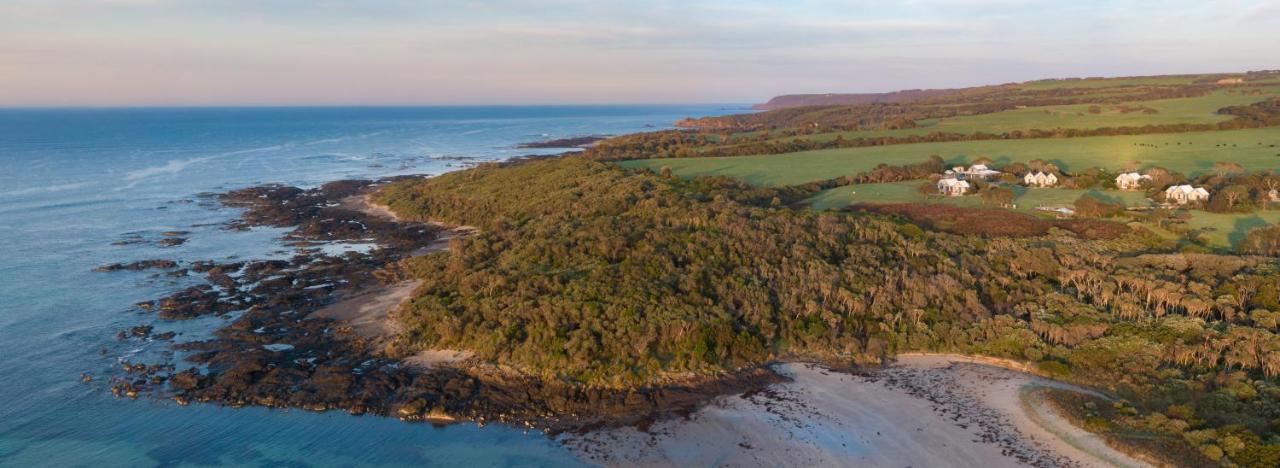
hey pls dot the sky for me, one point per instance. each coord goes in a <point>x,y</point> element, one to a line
<point>404,52</point>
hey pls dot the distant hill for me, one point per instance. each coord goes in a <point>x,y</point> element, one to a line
<point>923,108</point>
<point>787,101</point>
<point>840,99</point>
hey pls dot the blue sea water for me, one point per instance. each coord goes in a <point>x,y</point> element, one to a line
<point>73,181</point>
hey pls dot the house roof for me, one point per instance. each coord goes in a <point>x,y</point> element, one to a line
<point>1132,176</point>
<point>1186,189</point>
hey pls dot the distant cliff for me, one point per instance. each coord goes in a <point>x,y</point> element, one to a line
<point>798,100</point>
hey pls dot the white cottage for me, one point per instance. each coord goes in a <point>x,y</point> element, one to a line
<point>952,187</point>
<point>1131,181</point>
<point>1039,179</point>
<point>1183,194</point>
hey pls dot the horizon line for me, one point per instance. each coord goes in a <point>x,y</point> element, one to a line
<point>356,106</point>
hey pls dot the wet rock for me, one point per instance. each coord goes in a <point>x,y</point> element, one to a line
<point>171,241</point>
<point>137,266</point>
<point>141,331</point>
<point>185,381</point>
<point>202,266</point>
<point>130,239</point>
<point>193,302</point>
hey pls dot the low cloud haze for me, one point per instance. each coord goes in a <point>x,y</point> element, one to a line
<point>317,52</point>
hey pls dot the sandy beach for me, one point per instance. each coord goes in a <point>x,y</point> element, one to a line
<point>368,312</point>
<point>365,204</point>
<point>925,410</point>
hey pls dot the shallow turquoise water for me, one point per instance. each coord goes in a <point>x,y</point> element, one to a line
<point>72,181</point>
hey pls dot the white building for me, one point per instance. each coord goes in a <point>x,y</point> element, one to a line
<point>1183,194</point>
<point>952,187</point>
<point>1131,181</point>
<point>1039,179</point>
<point>977,171</point>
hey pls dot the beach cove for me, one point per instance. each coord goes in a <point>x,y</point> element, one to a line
<point>922,410</point>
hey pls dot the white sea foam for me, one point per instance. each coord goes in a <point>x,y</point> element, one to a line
<point>341,139</point>
<point>174,166</point>
<point>45,189</point>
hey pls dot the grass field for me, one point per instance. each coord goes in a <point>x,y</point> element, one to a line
<point>1169,111</point>
<point>1226,229</point>
<point>1221,229</point>
<point>1026,199</point>
<point>1190,153</point>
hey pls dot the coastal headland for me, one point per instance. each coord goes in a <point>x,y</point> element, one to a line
<point>327,327</point>
<point>693,296</point>
<point>316,331</point>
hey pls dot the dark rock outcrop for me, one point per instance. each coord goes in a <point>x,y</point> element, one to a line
<point>138,265</point>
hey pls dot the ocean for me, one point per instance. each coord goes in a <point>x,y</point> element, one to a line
<point>85,187</point>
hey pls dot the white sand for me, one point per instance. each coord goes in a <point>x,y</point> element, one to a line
<point>437,358</point>
<point>1006,391</point>
<point>365,204</point>
<point>923,411</point>
<point>369,313</point>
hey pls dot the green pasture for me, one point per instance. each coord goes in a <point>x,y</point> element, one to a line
<point>1219,229</point>
<point>1190,153</point>
<point>1198,110</point>
<point>1025,199</point>
<point>1226,229</point>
